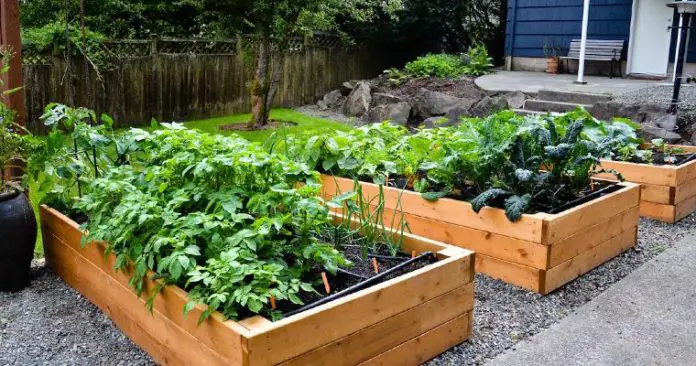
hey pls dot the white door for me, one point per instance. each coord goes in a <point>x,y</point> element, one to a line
<point>648,50</point>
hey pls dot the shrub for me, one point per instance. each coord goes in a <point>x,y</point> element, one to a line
<point>479,62</point>
<point>439,65</point>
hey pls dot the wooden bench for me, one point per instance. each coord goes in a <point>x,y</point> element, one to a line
<point>597,50</point>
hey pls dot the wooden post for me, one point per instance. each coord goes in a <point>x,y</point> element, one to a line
<point>10,37</point>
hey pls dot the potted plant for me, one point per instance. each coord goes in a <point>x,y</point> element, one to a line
<point>552,53</point>
<point>17,220</point>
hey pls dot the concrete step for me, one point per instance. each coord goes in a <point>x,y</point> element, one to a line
<point>524,112</point>
<point>551,106</point>
<point>571,97</point>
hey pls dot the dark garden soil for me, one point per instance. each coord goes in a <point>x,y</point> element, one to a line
<point>361,270</point>
<point>273,124</point>
<point>659,158</point>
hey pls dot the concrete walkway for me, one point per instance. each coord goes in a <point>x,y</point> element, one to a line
<point>532,82</point>
<point>649,318</point>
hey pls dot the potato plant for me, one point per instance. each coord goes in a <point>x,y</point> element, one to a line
<point>218,216</point>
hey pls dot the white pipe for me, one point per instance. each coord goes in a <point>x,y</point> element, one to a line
<point>676,51</point>
<point>583,41</point>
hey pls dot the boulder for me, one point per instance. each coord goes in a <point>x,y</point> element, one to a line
<point>358,102</point>
<point>396,112</point>
<point>385,98</point>
<point>489,105</point>
<point>331,100</point>
<point>515,100</point>
<point>650,131</point>
<point>347,87</point>
<point>428,103</point>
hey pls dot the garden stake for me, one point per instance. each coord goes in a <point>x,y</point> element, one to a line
<point>327,287</point>
<point>375,265</point>
<point>413,254</point>
<point>273,303</point>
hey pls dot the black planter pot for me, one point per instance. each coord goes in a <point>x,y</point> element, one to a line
<point>17,240</point>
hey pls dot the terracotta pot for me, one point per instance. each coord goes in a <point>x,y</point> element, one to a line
<point>552,65</point>
<point>17,240</point>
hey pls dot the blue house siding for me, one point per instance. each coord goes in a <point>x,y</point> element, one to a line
<point>691,50</point>
<point>534,23</point>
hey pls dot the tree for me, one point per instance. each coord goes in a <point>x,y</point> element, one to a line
<point>274,23</point>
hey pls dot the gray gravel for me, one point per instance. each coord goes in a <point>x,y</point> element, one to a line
<point>504,314</point>
<point>662,95</point>
<point>50,324</point>
<point>313,110</point>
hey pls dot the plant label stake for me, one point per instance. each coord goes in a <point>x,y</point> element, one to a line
<point>413,254</point>
<point>273,302</point>
<point>327,287</point>
<point>375,265</point>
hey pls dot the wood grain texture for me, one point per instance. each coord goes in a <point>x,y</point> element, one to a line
<point>385,335</point>
<point>498,254</point>
<point>664,188</point>
<point>446,210</point>
<point>574,220</point>
<point>165,341</point>
<point>384,316</point>
<point>593,236</point>
<point>426,346</point>
<point>587,260</point>
<point>513,273</point>
<point>179,87</point>
<point>354,312</point>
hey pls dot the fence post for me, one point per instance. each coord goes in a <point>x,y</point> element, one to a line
<point>156,83</point>
<point>9,37</point>
<point>153,45</point>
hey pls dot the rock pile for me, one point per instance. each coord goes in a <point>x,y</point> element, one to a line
<point>416,102</point>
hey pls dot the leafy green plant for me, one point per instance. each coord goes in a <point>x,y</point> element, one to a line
<point>16,142</point>
<point>438,65</point>
<point>396,77</point>
<point>520,164</point>
<point>479,62</point>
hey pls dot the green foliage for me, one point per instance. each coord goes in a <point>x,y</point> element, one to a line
<point>118,19</point>
<point>15,141</point>
<point>218,216</point>
<point>520,164</point>
<point>438,65</point>
<point>50,38</point>
<point>475,63</point>
<point>479,62</point>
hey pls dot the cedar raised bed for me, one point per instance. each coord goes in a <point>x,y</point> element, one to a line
<point>668,191</point>
<point>406,320</point>
<point>541,252</point>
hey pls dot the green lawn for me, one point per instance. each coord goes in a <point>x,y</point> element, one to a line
<point>303,121</point>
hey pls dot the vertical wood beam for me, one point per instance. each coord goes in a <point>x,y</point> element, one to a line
<point>10,37</point>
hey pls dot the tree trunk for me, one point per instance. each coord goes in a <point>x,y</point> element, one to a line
<point>259,88</point>
<point>276,70</point>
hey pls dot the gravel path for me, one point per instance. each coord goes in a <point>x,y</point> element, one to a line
<point>662,96</point>
<point>313,110</point>
<point>50,324</point>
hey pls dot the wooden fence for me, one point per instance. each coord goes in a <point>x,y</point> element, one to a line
<point>175,80</point>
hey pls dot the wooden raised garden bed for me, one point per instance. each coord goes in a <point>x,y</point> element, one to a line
<point>406,320</point>
<point>541,252</point>
<point>668,191</point>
